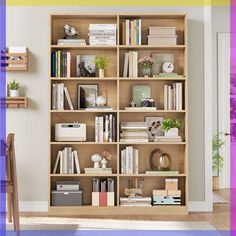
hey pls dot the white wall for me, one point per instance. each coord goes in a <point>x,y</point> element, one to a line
<point>29,26</point>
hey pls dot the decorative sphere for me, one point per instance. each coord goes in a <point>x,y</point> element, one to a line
<point>96,157</point>
<point>101,101</point>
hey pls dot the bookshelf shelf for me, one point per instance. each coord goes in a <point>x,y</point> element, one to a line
<point>119,96</point>
<point>16,102</point>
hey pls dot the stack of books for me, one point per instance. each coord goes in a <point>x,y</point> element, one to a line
<point>167,139</point>
<point>129,160</point>
<point>58,91</point>
<point>131,64</point>
<point>102,34</point>
<point>98,171</point>
<point>67,162</point>
<point>136,201</point>
<point>71,42</point>
<point>61,64</point>
<point>173,97</point>
<point>134,132</point>
<point>105,128</point>
<point>162,36</point>
<point>131,32</point>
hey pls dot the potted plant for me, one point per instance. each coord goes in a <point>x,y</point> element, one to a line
<point>101,64</point>
<point>146,62</point>
<point>171,127</point>
<point>14,88</point>
<point>217,159</point>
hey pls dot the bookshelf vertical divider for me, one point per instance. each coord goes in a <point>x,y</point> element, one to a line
<point>119,97</point>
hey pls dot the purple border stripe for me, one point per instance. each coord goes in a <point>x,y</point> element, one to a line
<point>233,117</point>
<point>2,121</point>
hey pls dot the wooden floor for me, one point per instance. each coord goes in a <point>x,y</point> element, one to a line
<point>219,218</point>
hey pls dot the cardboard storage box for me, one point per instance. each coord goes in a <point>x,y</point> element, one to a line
<point>162,40</point>
<point>67,198</point>
<point>162,31</point>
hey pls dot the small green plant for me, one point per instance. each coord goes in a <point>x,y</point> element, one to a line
<point>217,159</point>
<point>167,124</point>
<point>13,85</point>
<point>101,62</point>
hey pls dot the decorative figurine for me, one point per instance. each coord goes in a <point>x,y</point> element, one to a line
<point>96,158</point>
<point>70,31</point>
<point>101,101</point>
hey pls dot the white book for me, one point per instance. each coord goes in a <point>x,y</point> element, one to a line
<point>126,65</point>
<point>57,162</point>
<point>96,129</point>
<point>130,160</point>
<point>136,161</point>
<point>69,160</point>
<point>61,163</point>
<point>180,92</point>
<point>106,132</point>
<point>68,98</point>
<point>54,97</point>
<point>140,31</point>
<point>145,140</point>
<point>102,26</point>
<point>60,96</point>
<point>132,32</point>
<point>174,96</point>
<point>127,31</point>
<point>101,128</point>
<point>165,97</point>
<point>110,128</point>
<point>76,159</point>
<point>169,98</point>
<point>135,64</point>
<point>64,161</point>
<point>133,133</point>
<point>130,64</point>
<point>77,65</point>
<point>122,162</point>
<point>126,160</point>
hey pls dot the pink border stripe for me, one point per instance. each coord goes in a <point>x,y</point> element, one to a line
<point>232,117</point>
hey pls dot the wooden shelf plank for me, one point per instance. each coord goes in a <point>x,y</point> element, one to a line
<point>83,175</point>
<point>153,47</point>
<point>153,143</point>
<point>152,111</point>
<point>16,102</point>
<point>81,143</point>
<point>153,79</point>
<point>152,175</point>
<point>83,78</point>
<point>84,111</point>
<point>92,47</point>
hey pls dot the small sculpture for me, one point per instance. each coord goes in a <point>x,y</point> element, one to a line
<point>96,158</point>
<point>132,104</point>
<point>101,101</point>
<point>70,32</point>
<point>104,163</point>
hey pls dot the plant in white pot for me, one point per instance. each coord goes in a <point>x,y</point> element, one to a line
<point>101,64</point>
<point>217,159</point>
<point>171,127</point>
<point>14,88</point>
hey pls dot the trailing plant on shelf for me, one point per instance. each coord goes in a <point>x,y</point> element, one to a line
<point>101,64</point>
<point>146,62</point>
<point>14,88</point>
<point>171,127</point>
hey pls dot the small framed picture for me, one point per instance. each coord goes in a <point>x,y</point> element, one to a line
<point>87,95</point>
<point>154,127</point>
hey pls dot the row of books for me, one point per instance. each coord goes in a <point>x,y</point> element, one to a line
<point>135,201</point>
<point>129,160</point>
<point>173,97</point>
<point>131,64</point>
<point>58,92</point>
<point>61,64</point>
<point>131,32</point>
<point>102,34</point>
<point>105,128</point>
<point>134,132</point>
<point>67,162</point>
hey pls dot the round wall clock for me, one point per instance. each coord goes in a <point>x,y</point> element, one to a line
<point>168,67</point>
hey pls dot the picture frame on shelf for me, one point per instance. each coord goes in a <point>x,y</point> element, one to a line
<point>87,95</point>
<point>154,127</point>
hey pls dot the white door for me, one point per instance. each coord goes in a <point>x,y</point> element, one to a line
<point>224,103</point>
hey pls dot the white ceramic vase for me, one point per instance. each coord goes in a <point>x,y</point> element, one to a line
<point>14,93</point>
<point>173,132</point>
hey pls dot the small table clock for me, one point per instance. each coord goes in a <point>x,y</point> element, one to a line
<point>168,67</point>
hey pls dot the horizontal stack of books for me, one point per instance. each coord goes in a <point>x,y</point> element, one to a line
<point>129,160</point>
<point>131,64</point>
<point>162,36</point>
<point>131,32</point>
<point>134,132</point>
<point>71,42</point>
<point>105,128</point>
<point>61,64</point>
<point>173,97</point>
<point>67,162</point>
<point>102,34</point>
<point>58,91</point>
<point>168,139</point>
<point>136,201</point>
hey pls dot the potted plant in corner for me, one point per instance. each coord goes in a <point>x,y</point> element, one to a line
<point>171,127</point>
<point>101,64</point>
<point>217,159</point>
<point>14,88</point>
<point>146,62</point>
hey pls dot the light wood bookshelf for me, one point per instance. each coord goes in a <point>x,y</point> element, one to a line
<point>119,96</point>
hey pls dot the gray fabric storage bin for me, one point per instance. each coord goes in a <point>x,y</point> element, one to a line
<point>67,198</point>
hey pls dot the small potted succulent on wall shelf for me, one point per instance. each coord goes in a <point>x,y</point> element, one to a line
<point>101,64</point>
<point>171,127</point>
<point>14,88</point>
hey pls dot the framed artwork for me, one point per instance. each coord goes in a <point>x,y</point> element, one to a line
<point>87,94</point>
<point>154,127</point>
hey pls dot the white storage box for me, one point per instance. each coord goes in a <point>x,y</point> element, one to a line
<point>162,40</point>
<point>162,31</point>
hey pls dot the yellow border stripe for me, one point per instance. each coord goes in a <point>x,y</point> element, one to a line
<point>118,3</point>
